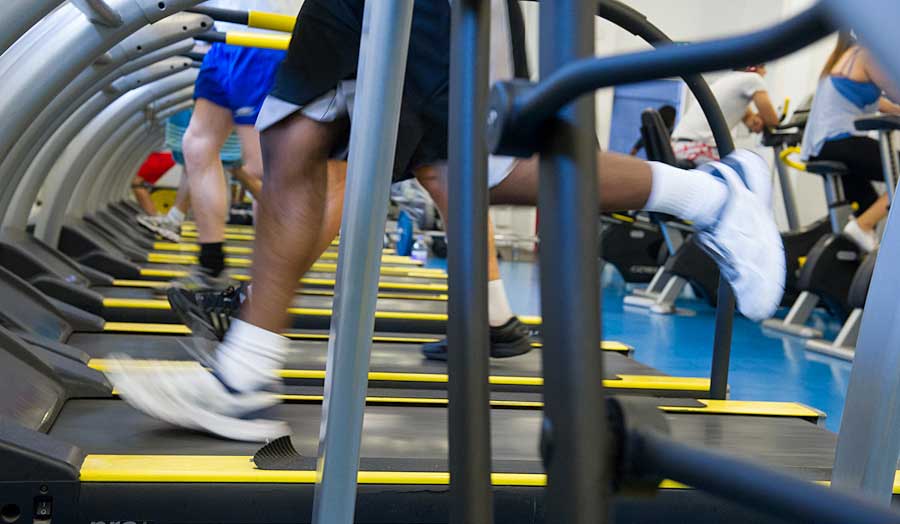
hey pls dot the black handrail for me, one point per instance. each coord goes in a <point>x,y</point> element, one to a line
<point>231,16</point>
<point>467,330</point>
<point>638,24</point>
<point>513,126</point>
<point>756,487</point>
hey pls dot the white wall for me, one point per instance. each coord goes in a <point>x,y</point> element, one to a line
<point>794,76</point>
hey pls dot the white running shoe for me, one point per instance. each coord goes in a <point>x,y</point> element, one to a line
<point>866,240</point>
<point>185,394</point>
<point>755,172</point>
<point>745,242</point>
<point>162,226</point>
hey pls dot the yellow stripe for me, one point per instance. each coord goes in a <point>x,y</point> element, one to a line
<point>211,468</point>
<point>530,320</point>
<point>163,273</point>
<point>135,303</point>
<point>623,218</point>
<point>192,226</point>
<point>238,250</point>
<point>240,469</point>
<point>159,284</point>
<point>137,327</point>
<point>172,258</point>
<point>258,40</point>
<point>621,382</point>
<point>381,285</point>
<point>741,407</point>
<point>271,21</point>
<point>401,296</point>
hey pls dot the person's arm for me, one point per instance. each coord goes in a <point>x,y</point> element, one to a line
<point>753,122</point>
<point>886,106</point>
<point>765,110</point>
<point>142,195</point>
<point>874,72</point>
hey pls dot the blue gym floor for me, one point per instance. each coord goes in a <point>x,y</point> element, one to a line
<point>764,366</point>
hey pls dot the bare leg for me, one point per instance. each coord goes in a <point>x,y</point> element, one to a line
<point>874,214</point>
<point>251,184</point>
<point>623,182</point>
<point>434,180</point>
<point>334,205</point>
<point>206,134</point>
<point>295,153</point>
<point>183,197</point>
<point>143,196</point>
<point>250,174</point>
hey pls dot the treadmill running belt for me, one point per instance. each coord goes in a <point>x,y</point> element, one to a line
<point>415,438</point>
<point>395,365</point>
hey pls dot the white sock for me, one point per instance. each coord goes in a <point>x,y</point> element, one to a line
<point>690,195</point>
<point>250,356</point>
<point>499,311</point>
<point>175,215</point>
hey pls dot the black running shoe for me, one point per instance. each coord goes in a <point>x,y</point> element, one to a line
<point>509,340</point>
<point>208,312</point>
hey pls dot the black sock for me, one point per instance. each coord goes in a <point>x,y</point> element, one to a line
<point>212,258</point>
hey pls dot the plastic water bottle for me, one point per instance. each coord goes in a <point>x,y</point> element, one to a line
<point>420,250</point>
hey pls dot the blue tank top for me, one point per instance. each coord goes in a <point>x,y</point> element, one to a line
<point>838,103</point>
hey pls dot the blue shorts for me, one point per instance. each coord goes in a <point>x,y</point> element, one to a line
<point>238,78</point>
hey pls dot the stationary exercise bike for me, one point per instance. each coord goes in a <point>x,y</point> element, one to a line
<point>798,241</point>
<point>827,273</point>
<point>633,244</point>
<point>844,344</point>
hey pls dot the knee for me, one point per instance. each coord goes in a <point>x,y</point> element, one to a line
<point>198,149</point>
<point>253,170</point>
<point>434,180</point>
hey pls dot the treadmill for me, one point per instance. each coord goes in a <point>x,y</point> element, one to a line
<point>71,451</point>
<point>396,360</point>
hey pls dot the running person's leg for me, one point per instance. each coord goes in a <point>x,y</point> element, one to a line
<point>728,202</point>
<point>509,337</point>
<point>296,148</point>
<point>862,157</point>
<point>210,126</point>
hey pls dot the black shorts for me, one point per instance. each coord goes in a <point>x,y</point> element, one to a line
<point>324,51</point>
<point>862,156</point>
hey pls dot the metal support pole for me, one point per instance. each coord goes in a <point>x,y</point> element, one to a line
<point>889,163</point>
<point>77,153</point>
<point>62,56</point>
<point>869,440</point>
<point>108,175</point>
<point>577,477</point>
<point>467,330</point>
<point>373,137</point>
<point>131,156</point>
<point>32,171</point>
<point>136,48</point>
<point>787,191</point>
<point>18,16</point>
<point>144,43</point>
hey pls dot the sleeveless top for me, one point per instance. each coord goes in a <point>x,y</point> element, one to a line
<point>838,103</point>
